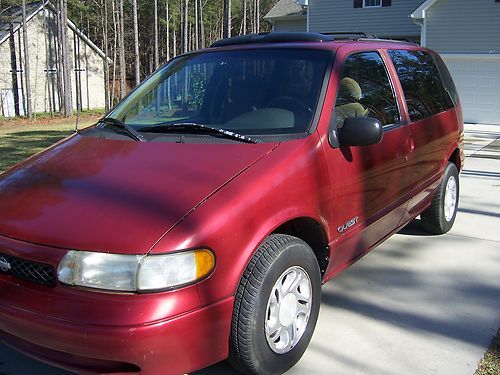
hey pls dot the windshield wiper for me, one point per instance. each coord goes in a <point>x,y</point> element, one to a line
<point>192,126</point>
<point>115,122</point>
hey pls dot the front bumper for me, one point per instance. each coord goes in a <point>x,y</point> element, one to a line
<point>87,331</point>
<point>175,346</point>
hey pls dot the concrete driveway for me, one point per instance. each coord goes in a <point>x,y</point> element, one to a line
<point>417,304</point>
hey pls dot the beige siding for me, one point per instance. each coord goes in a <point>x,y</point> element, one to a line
<point>92,79</point>
<point>464,26</point>
<point>5,75</point>
<point>42,46</point>
<point>38,40</point>
<point>341,16</point>
<point>293,24</point>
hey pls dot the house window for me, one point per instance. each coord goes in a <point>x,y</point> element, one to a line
<point>372,3</point>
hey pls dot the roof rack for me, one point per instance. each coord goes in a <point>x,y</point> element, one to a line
<point>358,35</point>
<point>273,37</point>
<point>290,37</point>
<point>404,41</point>
<point>351,35</point>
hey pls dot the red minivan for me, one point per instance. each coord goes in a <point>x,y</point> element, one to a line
<point>198,219</point>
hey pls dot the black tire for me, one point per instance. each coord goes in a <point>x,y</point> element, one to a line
<point>249,350</point>
<point>434,219</point>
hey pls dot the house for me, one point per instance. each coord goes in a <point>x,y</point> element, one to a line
<point>467,35</point>
<point>383,18</point>
<point>288,15</point>
<point>86,60</point>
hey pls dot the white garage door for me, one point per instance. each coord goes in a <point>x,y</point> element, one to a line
<point>477,78</point>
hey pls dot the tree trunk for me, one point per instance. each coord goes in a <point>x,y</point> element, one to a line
<point>200,23</point>
<point>48,67</point>
<point>257,16</point>
<point>174,44</point>
<point>104,4</point>
<point>76,59</point>
<point>181,27</point>
<point>67,105</point>
<point>68,99</point>
<point>58,62</point>
<point>244,17</point>
<point>22,100</point>
<point>156,53</point>
<point>185,28</point>
<point>252,18</point>
<point>121,50</point>
<point>85,48</point>
<point>227,19</point>
<point>29,110</point>
<point>13,69</point>
<point>196,26</point>
<point>168,31</point>
<point>115,42</point>
<point>136,45</point>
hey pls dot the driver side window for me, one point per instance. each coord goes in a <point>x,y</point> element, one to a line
<point>365,90</point>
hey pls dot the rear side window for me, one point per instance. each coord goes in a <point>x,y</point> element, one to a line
<point>365,90</point>
<point>449,85</point>
<point>422,84</point>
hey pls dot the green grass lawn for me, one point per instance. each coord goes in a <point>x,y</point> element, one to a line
<point>19,141</point>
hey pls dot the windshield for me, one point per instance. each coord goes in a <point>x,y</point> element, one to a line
<point>247,91</point>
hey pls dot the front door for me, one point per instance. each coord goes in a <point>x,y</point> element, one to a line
<point>369,182</point>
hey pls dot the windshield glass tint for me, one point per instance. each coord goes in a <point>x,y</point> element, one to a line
<point>247,91</point>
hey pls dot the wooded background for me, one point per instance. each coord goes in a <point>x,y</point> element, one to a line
<point>141,35</point>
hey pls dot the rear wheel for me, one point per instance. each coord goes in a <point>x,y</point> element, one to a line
<point>276,307</point>
<point>440,216</point>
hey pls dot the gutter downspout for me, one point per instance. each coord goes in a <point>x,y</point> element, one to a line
<point>423,35</point>
<point>423,28</point>
<point>307,18</point>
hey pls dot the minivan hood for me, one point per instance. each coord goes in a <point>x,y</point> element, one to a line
<point>114,195</point>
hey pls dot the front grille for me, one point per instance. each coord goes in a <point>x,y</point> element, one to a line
<point>39,273</point>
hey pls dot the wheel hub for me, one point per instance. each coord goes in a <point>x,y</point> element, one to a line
<point>288,310</point>
<point>450,198</point>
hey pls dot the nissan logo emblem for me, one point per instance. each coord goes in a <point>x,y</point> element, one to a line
<point>4,264</point>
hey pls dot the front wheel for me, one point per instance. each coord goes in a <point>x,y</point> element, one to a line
<point>440,216</point>
<point>276,307</point>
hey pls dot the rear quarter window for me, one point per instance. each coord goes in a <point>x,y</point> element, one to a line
<point>448,83</point>
<point>423,86</point>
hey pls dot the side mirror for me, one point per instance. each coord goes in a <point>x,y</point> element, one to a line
<point>360,131</point>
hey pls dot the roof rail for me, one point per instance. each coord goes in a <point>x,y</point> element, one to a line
<point>290,37</point>
<point>404,41</point>
<point>351,35</point>
<point>273,37</point>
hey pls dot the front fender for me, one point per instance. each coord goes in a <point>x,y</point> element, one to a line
<point>289,183</point>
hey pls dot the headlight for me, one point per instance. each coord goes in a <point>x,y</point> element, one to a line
<point>132,273</point>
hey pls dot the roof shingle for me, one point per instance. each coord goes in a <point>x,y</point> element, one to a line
<point>14,16</point>
<point>286,8</point>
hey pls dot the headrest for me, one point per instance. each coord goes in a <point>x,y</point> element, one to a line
<point>349,88</point>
